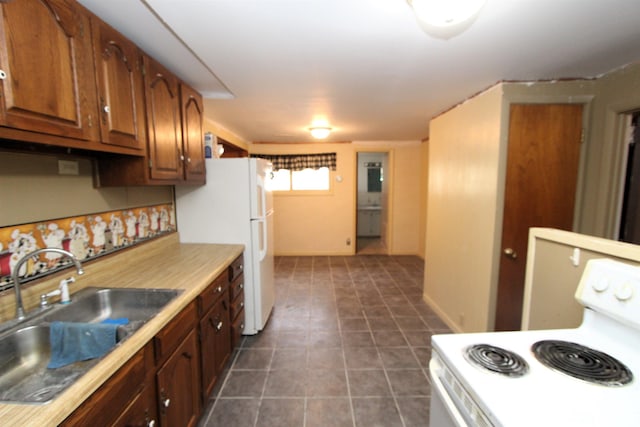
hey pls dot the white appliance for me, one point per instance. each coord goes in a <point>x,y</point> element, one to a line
<point>235,206</point>
<point>587,376</point>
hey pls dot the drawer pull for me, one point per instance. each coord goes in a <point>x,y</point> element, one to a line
<point>219,289</point>
<point>241,286</point>
<point>219,326</point>
<point>151,423</point>
<point>242,304</point>
<point>166,403</point>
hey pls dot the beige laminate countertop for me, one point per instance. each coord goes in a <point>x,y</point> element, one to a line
<point>162,263</point>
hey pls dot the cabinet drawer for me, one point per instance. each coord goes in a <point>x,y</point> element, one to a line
<point>236,268</point>
<point>114,395</point>
<point>237,287</point>
<point>209,296</point>
<point>172,334</point>
<point>237,306</point>
<point>237,327</point>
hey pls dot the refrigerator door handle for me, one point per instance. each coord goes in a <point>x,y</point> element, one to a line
<point>262,250</point>
<point>262,211</point>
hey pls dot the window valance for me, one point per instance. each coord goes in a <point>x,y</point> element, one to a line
<point>298,162</point>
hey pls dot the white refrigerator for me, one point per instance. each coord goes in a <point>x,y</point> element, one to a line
<point>235,206</point>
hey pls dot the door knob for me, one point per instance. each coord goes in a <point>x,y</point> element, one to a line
<point>510,253</point>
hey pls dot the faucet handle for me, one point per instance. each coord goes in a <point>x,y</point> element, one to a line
<point>44,298</point>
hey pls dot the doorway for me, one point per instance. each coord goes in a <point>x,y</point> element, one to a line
<point>372,203</point>
<point>630,210</point>
<point>543,157</point>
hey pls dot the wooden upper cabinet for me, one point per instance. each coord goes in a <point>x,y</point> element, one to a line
<point>120,87</point>
<point>47,82</point>
<point>192,139</point>
<point>163,122</point>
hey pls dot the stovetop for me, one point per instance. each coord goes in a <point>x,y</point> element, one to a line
<point>544,396</point>
<point>538,389</point>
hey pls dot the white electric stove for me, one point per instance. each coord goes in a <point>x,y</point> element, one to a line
<point>588,376</point>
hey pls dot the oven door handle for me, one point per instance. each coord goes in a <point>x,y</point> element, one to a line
<point>455,416</point>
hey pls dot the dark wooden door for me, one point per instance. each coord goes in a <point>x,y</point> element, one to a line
<point>542,170</point>
<point>192,138</point>
<point>120,88</point>
<point>47,79</point>
<point>179,385</point>
<point>215,343</point>
<point>163,122</point>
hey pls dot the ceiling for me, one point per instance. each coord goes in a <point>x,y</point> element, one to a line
<point>269,68</point>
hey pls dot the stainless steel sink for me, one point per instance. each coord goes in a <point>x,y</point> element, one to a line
<point>25,349</point>
<point>96,304</point>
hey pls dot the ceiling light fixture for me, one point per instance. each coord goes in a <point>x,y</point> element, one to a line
<point>320,132</point>
<point>445,18</point>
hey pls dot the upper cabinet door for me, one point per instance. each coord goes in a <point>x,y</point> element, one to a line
<point>120,87</point>
<point>47,80</point>
<point>163,122</point>
<point>192,139</point>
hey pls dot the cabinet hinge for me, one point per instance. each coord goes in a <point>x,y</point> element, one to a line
<point>90,120</point>
<point>582,137</point>
<point>150,163</point>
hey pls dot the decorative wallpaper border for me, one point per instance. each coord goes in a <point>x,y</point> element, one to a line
<point>86,236</point>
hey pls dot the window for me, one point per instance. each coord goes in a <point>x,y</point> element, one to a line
<point>306,179</point>
<point>301,172</point>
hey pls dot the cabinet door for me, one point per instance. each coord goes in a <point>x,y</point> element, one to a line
<point>120,87</point>
<point>215,343</point>
<point>45,56</point>
<point>105,404</point>
<point>192,138</point>
<point>163,122</point>
<point>141,412</point>
<point>179,385</point>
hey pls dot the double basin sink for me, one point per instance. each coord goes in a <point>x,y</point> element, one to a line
<point>25,348</point>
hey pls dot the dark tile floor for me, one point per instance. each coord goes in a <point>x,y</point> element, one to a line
<point>346,345</point>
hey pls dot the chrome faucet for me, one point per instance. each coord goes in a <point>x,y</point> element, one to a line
<point>16,279</point>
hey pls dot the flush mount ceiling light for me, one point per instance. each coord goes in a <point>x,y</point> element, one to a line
<point>320,132</point>
<point>445,18</point>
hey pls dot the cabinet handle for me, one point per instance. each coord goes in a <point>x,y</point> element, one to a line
<point>240,267</point>
<point>219,289</point>
<point>510,253</point>
<point>241,286</point>
<point>3,75</point>
<point>188,159</point>
<point>106,109</point>
<point>219,326</point>
<point>242,304</point>
<point>166,403</point>
<point>151,423</point>
<point>181,158</point>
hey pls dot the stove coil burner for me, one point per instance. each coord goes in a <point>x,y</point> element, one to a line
<point>497,360</point>
<point>582,362</point>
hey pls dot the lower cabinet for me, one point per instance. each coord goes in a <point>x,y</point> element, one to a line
<point>215,343</point>
<point>178,383</point>
<point>128,388</point>
<point>167,382</point>
<point>141,412</point>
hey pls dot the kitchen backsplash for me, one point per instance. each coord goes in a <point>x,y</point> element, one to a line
<point>87,237</point>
